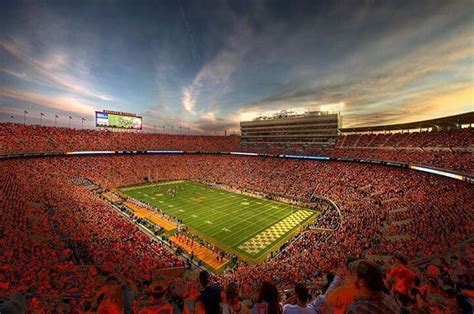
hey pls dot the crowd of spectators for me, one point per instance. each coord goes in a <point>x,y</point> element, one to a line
<point>20,138</point>
<point>453,138</point>
<point>448,149</point>
<point>60,242</point>
<point>61,247</point>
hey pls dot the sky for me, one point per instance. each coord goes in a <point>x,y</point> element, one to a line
<point>206,65</point>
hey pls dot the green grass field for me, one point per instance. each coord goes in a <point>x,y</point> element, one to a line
<point>247,226</point>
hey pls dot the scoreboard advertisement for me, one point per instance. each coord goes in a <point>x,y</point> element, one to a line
<point>109,119</point>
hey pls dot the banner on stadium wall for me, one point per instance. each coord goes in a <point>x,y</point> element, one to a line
<point>243,154</point>
<point>131,152</point>
<point>305,157</point>
<point>344,159</point>
<point>164,152</point>
<point>391,163</point>
<point>439,172</point>
<point>91,152</point>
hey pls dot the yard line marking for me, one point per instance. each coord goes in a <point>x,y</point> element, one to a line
<point>249,223</point>
<point>248,219</point>
<point>253,209</point>
<point>225,213</point>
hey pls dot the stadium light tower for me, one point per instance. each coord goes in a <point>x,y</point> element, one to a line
<point>70,118</point>
<point>82,121</point>
<point>41,118</point>
<point>56,117</point>
<point>12,117</point>
<point>24,116</point>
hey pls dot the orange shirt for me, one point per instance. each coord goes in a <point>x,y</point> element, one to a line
<point>157,309</point>
<point>404,278</point>
<point>340,298</point>
<point>432,271</point>
<point>110,306</point>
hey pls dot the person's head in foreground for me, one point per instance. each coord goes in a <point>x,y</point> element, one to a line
<point>269,294</point>
<point>204,278</point>
<point>302,294</point>
<point>159,289</point>
<point>371,297</point>
<point>368,276</point>
<point>232,297</point>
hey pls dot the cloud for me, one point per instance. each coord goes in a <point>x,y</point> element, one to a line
<point>425,106</point>
<point>47,72</point>
<point>214,79</point>
<point>14,73</point>
<point>391,85</point>
<point>384,60</point>
<point>190,95</point>
<point>209,125</point>
<point>64,103</point>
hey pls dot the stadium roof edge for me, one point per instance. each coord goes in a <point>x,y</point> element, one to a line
<point>463,118</point>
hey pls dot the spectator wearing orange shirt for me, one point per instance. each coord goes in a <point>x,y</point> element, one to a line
<point>158,304</point>
<point>403,279</point>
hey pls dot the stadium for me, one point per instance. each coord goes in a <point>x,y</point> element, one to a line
<point>136,205</point>
<point>153,209</point>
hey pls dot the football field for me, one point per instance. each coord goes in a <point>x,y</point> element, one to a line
<point>247,226</point>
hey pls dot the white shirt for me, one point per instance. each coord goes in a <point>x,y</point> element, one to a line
<point>296,309</point>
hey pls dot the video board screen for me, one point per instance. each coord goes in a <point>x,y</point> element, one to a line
<point>111,120</point>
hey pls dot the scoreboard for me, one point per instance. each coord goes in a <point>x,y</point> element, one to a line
<point>114,119</point>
